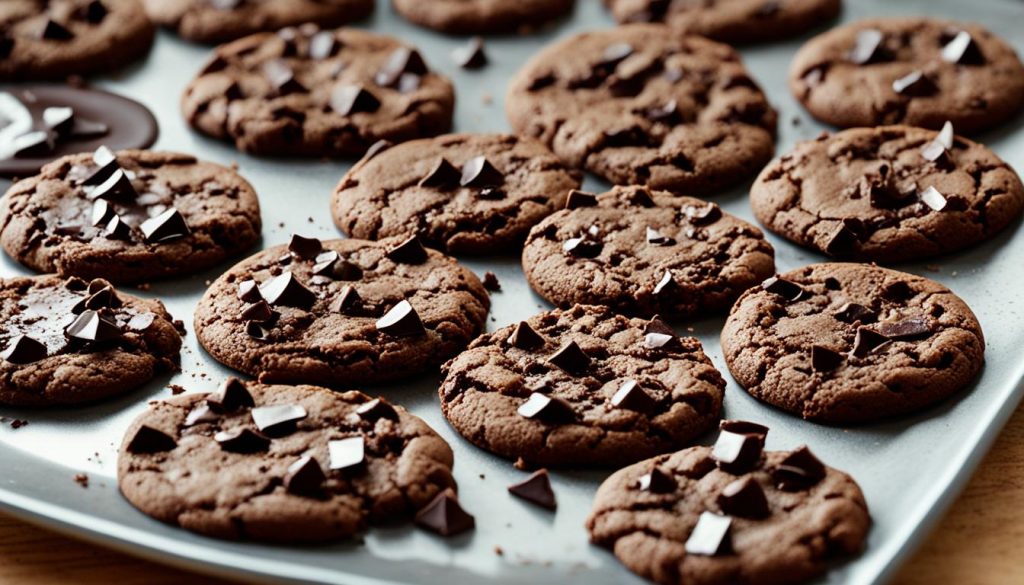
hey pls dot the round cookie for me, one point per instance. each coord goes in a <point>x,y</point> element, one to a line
<point>443,191</point>
<point>70,37</point>
<point>730,21</point>
<point>644,105</point>
<point>71,341</point>
<point>482,16</point>
<point>691,518</point>
<point>305,92</point>
<point>914,71</point>
<point>341,312</point>
<point>207,21</point>
<point>131,218</point>
<point>582,387</point>
<point>888,194</point>
<point>852,343</point>
<point>281,464</point>
<point>646,253</point>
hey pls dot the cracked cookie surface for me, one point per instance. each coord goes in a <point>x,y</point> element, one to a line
<point>311,93</point>
<point>47,360</point>
<point>60,220</point>
<point>178,472</point>
<point>57,38</point>
<point>399,191</point>
<point>618,253</point>
<point>803,532</point>
<point>860,194</point>
<point>644,105</point>
<point>206,22</point>
<point>672,394</point>
<point>730,21</point>
<point>859,343</point>
<point>850,75</point>
<point>323,325</point>
<point>481,16</point>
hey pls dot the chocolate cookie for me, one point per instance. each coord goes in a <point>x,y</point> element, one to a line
<point>281,463</point>
<point>643,105</point>
<point>132,217</point>
<point>914,71</point>
<point>464,193</point>
<point>730,514</point>
<point>306,92</point>
<point>341,312</point>
<point>482,16</point>
<point>217,21</point>
<point>888,194</point>
<point>646,253</point>
<point>730,21</point>
<point>40,123</point>
<point>852,343</point>
<point>51,39</point>
<point>582,387</point>
<point>72,341</point>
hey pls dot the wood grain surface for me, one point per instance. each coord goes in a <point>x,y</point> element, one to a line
<point>977,543</point>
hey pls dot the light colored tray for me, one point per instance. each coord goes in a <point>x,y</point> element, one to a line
<point>910,469</point>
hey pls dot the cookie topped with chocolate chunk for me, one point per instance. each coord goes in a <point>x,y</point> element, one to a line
<point>852,343</point>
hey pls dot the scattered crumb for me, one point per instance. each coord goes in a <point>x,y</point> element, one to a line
<point>491,281</point>
<point>796,120</point>
<point>280,224</point>
<point>234,165</point>
<point>487,98</point>
<point>499,551</point>
<point>82,480</point>
<point>309,219</point>
<point>521,464</point>
<point>482,476</point>
<point>18,423</point>
<point>176,389</point>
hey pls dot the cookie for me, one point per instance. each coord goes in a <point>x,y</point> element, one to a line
<point>644,105</point>
<point>888,194</point>
<point>41,123</point>
<point>482,16</point>
<point>281,464</point>
<point>312,93</point>
<point>463,193</point>
<point>218,21</point>
<point>132,217</point>
<point>59,38</point>
<point>731,513</point>
<point>914,71</point>
<point>646,253</point>
<point>583,387</point>
<point>852,343</point>
<point>71,341</point>
<point>341,312</point>
<point>730,21</point>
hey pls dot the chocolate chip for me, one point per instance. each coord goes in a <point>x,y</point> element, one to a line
<point>59,120</point>
<point>443,175</point>
<point>282,78</point>
<point>286,290</point>
<point>278,419</point>
<point>305,478</point>
<point>867,341</point>
<point>323,45</point>
<point>744,498</point>
<point>745,427</point>
<point>472,55</point>
<point>347,453</point>
<point>656,238</point>
<point>790,291</point>
<point>94,12</point>
<point>630,396</point>
<point>737,453</point>
<point>402,61</point>
<point>201,414</point>
<point>249,291</point>
<point>657,482</point>
<point>331,264</point>
<point>963,50</point>
<point>243,440</point>
<point>946,136</point>
<point>657,340</point>
<point>91,327</point>
<point>24,350</point>
<point>231,396</point>
<point>824,359</point>
<point>445,515</point>
<point>106,163</point>
<point>375,410</point>
<point>347,302</point>
<point>305,248</point>
<point>840,240</point>
<point>577,199</point>
<point>401,321</point>
<point>148,440</point>
<point>490,282</point>
<point>582,247</point>
<point>102,212</point>
<point>571,358</point>
<point>666,285</point>
<point>350,99</point>
<point>259,312</point>
<point>933,199</point>
<point>536,489</point>
<point>479,172</point>
<point>550,409</point>
<point>141,322</point>
<point>54,31</point>
<point>169,225</point>
<point>855,313</point>
<point>915,84</point>
<point>102,298</point>
<point>33,145</point>
<point>800,470</point>
<point>868,47</point>
<point>117,187</point>
<point>703,214</point>
<point>933,151</point>
<point>525,337</point>
<point>410,251</point>
<point>905,329</point>
<point>711,536</point>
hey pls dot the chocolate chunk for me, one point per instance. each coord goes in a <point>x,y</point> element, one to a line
<point>915,84</point>
<point>737,453</point>
<point>102,298</point>
<point>323,45</point>
<point>33,145</point>
<point>897,291</point>
<point>704,214</point>
<point>933,199</point>
<point>790,291</point>
<point>630,396</point>
<point>401,321</point>
<point>106,163</point>
<point>550,409</point>
<point>94,12</point>
<point>59,120</point>
<point>117,187</point>
<point>350,99</point>
<point>711,536</point>
<point>91,327</point>
<point>744,498</point>
<point>445,515</point>
<point>411,251</point>
<point>169,225</point>
<point>102,212</point>
<point>375,410</point>
<point>442,176</point>
<point>141,322</point>
<point>347,302</point>
<point>666,285</point>
<point>279,419</point>
<point>656,238</point>
<point>201,414</point>
<point>286,290</point>
<point>402,61</point>
<point>582,247</point>
<point>840,240</point>
<point>536,489</point>
<point>305,478</point>
<point>331,264</point>
<point>667,113</point>
<point>24,350</point>
<point>54,31</point>
<point>249,291</point>
<point>479,172</point>
<point>490,282</point>
<point>824,359</point>
<point>525,337</point>
<point>149,440</point>
<point>867,341</point>
<point>855,313</point>
<point>282,78</point>
<point>242,440</point>
<point>577,199</point>
<point>231,396</point>
<point>657,482</point>
<point>472,55</point>
<point>347,453</point>
<point>905,329</point>
<point>963,50</point>
<point>117,229</point>
<point>800,470</point>
<point>571,358</point>
<point>934,151</point>
<point>657,340</point>
<point>868,47</point>
<point>745,427</point>
<point>305,248</point>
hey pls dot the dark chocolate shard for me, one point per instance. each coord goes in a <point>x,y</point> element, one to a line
<point>656,238</point>
<point>52,30</point>
<point>868,47</point>
<point>169,225</point>
<point>249,291</point>
<point>800,470</point>
<point>24,350</point>
<point>744,498</point>
<point>703,214</point>
<point>102,212</point>
<point>92,328</point>
<point>305,478</point>
<point>824,359</point>
<point>349,453</point>
<point>479,172</point>
<point>117,229</point>
<point>536,489</point>
<point>410,251</point>
<point>471,55</point>
<point>577,199</point>
<point>571,358</point>
<point>278,419</point>
<point>331,264</point>
<point>305,248</point>
<point>525,337</point>
<point>93,12</point>
<point>657,482</point>
<point>737,453</point>
<point>963,50</point>
<point>915,84</point>
<point>711,536</point>
<point>260,312</point>
<point>351,99</point>
<point>282,78</point>
<point>148,440</point>
<point>242,440</point>
<point>745,427</point>
<point>201,414</point>
<point>348,301</point>
<point>59,120</point>
<point>631,396</point>
<point>856,313</point>
<point>231,396</point>
<point>33,145</point>
<point>402,61</point>
<point>582,247</point>
<point>117,187</point>
<point>912,328</point>
<point>286,290</point>
<point>549,409</point>
<point>788,290</point>
<point>443,175</point>
<point>666,285</point>
<point>401,321</point>
<point>866,342</point>
<point>375,410</point>
<point>445,515</point>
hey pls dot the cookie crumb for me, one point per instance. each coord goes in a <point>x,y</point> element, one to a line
<point>487,99</point>
<point>499,551</point>
<point>491,282</point>
<point>82,480</point>
<point>176,389</point>
<point>18,423</point>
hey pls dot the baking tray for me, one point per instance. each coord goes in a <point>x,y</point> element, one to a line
<point>910,469</point>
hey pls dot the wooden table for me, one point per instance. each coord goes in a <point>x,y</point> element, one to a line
<point>978,543</point>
